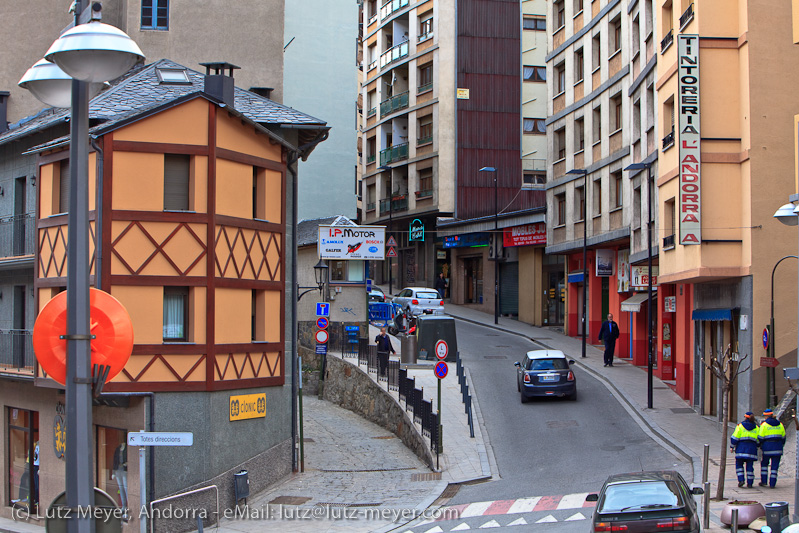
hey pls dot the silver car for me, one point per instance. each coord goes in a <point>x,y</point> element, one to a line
<point>420,300</point>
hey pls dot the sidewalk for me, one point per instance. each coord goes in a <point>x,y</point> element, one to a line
<point>671,422</point>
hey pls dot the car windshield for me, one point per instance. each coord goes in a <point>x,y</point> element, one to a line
<point>548,364</point>
<point>624,496</point>
<point>433,295</point>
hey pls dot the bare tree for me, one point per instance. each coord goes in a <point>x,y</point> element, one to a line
<point>727,371</point>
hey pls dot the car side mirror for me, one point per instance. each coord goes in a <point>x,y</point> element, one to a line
<point>592,498</point>
<point>697,491</point>
<point>571,361</point>
<point>517,363</point>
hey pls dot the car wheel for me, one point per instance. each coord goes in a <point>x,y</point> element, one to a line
<point>524,398</point>
<point>392,331</point>
<point>573,396</point>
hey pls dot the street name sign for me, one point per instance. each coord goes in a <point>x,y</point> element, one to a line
<point>150,438</point>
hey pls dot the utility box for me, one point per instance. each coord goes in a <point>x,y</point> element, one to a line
<point>409,350</point>
<point>241,486</point>
<point>433,328</point>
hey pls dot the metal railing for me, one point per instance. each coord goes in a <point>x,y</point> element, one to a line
<point>668,242</point>
<point>424,87</point>
<point>667,40</point>
<point>372,112</point>
<point>395,103</point>
<point>176,496</point>
<point>424,194</point>
<point>16,349</point>
<point>465,394</point>
<point>424,140</point>
<point>395,53</point>
<point>17,235</point>
<point>370,206</point>
<point>397,152</point>
<point>425,36</point>
<point>668,140</point>
<point>687,15</point>
<point>370,158</point>
<point>391,6</point>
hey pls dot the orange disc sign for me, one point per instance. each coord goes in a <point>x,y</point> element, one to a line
<point>109,323</point>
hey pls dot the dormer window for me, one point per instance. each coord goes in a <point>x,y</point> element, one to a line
<point>173,76</point>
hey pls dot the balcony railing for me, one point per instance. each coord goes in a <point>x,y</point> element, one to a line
<point>668,140</point>
<point>668,242</point>
<point>687,16</point>
<point>425,36</point>
<point>395,103</point>
<point>395,53</point>
<point>17,235</point>
<point>370,206</point>
<point>398,203</point>
<point>424,140</point>
<point>667,40</point>
<point>16,349</point>
<point>424,194</point>
<point>372,112</point>
<point>389,7</point>
<point>395,153</point>
<point>372,65</point>
<point>424,88</point>
<point>370,159</point>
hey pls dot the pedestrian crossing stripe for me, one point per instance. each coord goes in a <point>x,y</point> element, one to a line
<point>576,516</point>
<point>518,506</point>
<point>547,519</point>
<point>492,523</point>
<point>462,527</point>
<point>519,522</point>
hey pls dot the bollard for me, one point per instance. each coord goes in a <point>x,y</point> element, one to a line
<point>705,462</point>
<point>734,524</point>
<point>706,506</point>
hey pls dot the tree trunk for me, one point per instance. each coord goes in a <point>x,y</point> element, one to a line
<point>725,409</point>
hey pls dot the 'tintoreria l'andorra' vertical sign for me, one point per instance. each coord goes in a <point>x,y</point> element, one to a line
<point>689,139</point>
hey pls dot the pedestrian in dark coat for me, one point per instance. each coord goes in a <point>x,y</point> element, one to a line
<point>440,285</point>
<point>608,334</point>
<point>744,443</point>
<point>384,342</point>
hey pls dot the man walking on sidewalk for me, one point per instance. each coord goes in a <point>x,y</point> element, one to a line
<point>771,437</point>
<point>384,342</point>
<point>608,334</point>
<point>744,443</point>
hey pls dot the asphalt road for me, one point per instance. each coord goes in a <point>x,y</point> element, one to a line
<point>550,448</point>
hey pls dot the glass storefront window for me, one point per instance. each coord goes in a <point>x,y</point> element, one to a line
<point>23,458</point>
<point>112,463</point>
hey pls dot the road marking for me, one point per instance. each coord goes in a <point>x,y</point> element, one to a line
<point>464,526</point>
<point>476,509</point>
<point>576,516</point>
<point>519,522</point>
<point>490,524</point>
<point>548,503</point>
<point>546,519</point>
<point>572,501</point>
<point>435,530</point>
<point>499,507</point>
<point>523,505</point>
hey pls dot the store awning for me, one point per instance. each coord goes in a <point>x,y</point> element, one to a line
<point>711,314</point>
<point>633,303</point>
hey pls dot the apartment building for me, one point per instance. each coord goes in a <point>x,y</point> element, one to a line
<point>726,92</point>
<point>442,91</point>
<point>601,118</point>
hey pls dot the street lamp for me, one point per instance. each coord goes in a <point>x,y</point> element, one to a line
<point>390,211</point>
<point>771,393</point>
<point>496,239</point>
<point>90,54</point>
<point>649,358</point>
<point>788,214</point>
<point>320,273</point>
<point>584,174</point>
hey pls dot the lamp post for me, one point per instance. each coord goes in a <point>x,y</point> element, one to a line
<point>788,214</point>
<point>496,239</point>
<point>586,275</point>
<point>649,358</point>
<point>89,54</point>
<point>771,393</point>
<point>390,220</point>
<point>320,272</point>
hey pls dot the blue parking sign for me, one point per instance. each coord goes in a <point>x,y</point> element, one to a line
<point>368,285</point>
<point>322,309</point>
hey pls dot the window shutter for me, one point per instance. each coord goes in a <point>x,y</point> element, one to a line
<point>176,182</point>
<point>63,188</point>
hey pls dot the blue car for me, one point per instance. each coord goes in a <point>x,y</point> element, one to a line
<point>545,373</point>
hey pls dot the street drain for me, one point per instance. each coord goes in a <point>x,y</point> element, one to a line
<point>450,491</point>
<point>371,470</point>
<point>430,476</point>
<point>308,440</point>
<point>289,500</point>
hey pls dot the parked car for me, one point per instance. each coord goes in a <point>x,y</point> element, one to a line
<point>419,300</point>
<point>545,373</point>
<point>646,501</point>
<point>377,295</point>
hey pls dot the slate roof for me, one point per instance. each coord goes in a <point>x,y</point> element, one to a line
<point>140,91</point>
<point>307,230</point>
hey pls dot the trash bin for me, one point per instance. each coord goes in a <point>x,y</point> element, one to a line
<point>433,328</point>
<point>777,517</point>
<point>408,347</point>
<point>241,486</point>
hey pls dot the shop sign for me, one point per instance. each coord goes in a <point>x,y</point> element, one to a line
<point>689,139</point>
<point>670,303</point>
<point>639,277</point>
<point>623,270</point>
<point>604,263</point>
<point>466,240</point>
<point>526,235</point>
<point>416,231</point>
<point>441,254</point>
<point>463,94</point>
<point>352,242</point>
<point>246,406</point>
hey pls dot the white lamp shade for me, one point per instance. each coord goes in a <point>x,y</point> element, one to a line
<point>50,85</point>
<point>95,52</point>
<point>786,215</point>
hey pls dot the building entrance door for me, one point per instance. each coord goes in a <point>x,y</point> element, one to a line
<point>473,291</point>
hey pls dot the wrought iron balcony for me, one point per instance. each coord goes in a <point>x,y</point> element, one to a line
<point>17,235</point>
<point>16,349</point>
<point>395,153</point>
<point>395,103</point>
<point>687,16</point>
<point>668,140</point>
<point>667,40</point>
<point>395,53</point>
<point>668,242</point>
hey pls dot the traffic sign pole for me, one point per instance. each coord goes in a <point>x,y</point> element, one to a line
<point>440,438</point>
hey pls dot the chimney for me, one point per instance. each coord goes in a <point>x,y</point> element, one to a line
<point>266,92</point>
<point>219,85</point>
<point>3,111</point>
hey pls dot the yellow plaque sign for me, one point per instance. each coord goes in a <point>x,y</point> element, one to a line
<point>248,406</point>
<point>463,94</point>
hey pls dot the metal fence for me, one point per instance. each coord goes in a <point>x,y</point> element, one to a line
<point>17,235</point>
<point>16,348</point>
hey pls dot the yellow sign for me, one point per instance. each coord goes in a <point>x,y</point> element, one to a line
<point>463,94</point>
<point>248,406</point>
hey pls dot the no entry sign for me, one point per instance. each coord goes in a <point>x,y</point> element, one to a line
<point>321,336</point>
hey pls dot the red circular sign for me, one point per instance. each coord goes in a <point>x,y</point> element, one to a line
<point>441,370</point>
<point>322,336</point>
<point>109,323</point>
<point>321,322</point>
<point>442,349</point>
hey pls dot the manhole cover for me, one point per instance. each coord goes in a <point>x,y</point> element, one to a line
<point>682,410</point>
<point>611,448</point>
<point>495,357</point>
<point>558,424</point>
<point>289,500</point>
<point>430,476</point>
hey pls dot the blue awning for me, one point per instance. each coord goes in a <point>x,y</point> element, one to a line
<point>576,277</point>
<point>711,314</point>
